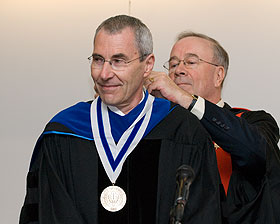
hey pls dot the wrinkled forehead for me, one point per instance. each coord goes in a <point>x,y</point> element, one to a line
<point>192,46</point>
<point>108,44</point>
<point>124,32</point>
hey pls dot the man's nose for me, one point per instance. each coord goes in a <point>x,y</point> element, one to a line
<point>106,71</point>
<point>180,69</point>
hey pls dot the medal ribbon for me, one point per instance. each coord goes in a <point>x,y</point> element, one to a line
<point>113,155</point>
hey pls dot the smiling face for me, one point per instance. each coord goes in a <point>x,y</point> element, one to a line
<point>205,79</point>
<point>123,89</point>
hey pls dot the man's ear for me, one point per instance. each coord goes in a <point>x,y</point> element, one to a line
<point>220,76</point>
<point>149,64</point>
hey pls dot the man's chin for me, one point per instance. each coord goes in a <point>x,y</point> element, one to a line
<point>186,87</point>
<point>109,99</point>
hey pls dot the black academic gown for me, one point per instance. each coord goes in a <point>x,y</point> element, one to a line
<point>254,189</point>
<point>66,176</point>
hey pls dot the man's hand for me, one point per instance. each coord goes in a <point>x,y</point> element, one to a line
<point>160,85</point>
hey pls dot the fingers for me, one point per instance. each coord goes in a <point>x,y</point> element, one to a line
<point>147,82</point>
<point>153,77</point>
<point>152,86</point>
<point>155,82</point>
<point>157,93</point>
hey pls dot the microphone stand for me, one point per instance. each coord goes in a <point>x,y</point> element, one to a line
<point>177,211</point>
<point>184,176</point>
<point>176,214</point>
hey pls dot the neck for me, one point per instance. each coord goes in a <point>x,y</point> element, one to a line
<point>214,98</point>
<point>125,109</point>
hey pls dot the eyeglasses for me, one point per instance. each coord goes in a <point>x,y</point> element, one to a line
<point>190,62</point>
<point>118,64</point>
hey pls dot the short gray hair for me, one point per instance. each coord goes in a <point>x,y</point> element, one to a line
<point>220,56</point>
<point>142,34</point>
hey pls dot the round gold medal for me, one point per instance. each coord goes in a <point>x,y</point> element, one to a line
<point>113,198</point>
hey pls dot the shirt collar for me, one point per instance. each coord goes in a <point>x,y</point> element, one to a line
<point>221,103</point>
<point>117,111</point>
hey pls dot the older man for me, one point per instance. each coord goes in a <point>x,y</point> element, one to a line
<point>114,160</point>
<point>245,141</point>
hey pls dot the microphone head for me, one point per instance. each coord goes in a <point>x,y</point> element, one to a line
<point>185,172</point>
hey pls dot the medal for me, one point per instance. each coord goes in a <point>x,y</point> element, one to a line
<point>113,198</point>
<point>113,155</point>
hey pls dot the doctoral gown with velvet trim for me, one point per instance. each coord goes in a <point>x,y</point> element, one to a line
<point>66,176</point>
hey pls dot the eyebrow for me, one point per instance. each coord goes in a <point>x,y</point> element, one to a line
<point>99,55</point>
<point>191,55</point>
<point>186,55</point>
<point>120,55</point>
<point>173,58</point>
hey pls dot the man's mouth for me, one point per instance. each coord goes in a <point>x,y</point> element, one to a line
<point>108,87</point>
<point>183,84</point>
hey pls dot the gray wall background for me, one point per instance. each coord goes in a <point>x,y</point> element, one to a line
<point>43,63</point>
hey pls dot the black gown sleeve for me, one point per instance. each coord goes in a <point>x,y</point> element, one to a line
<point>48,197</point>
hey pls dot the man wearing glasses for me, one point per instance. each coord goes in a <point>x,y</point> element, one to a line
<point>246,141</point>
<point>115,159</point>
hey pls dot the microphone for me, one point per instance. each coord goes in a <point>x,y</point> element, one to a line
<point>184,178</point>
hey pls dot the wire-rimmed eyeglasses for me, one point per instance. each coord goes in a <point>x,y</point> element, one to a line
<point>118,64</point>
<point>190,61</point>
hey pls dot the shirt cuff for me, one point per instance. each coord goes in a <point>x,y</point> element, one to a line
<point>199,108</point>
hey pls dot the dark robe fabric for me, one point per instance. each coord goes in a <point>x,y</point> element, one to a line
<point>66,176</point>
<point>254,189</point>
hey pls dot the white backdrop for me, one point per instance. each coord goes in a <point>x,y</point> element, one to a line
<point>44,46</point>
